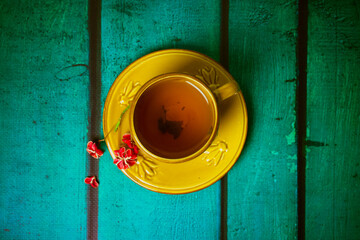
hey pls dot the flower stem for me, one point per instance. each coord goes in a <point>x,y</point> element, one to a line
<point>119,121</point>
<point>116,126</point>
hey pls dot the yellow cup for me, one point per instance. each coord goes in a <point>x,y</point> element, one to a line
<point>178,151</point>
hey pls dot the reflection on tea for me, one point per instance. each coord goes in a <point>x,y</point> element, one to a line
<point>173,118</point>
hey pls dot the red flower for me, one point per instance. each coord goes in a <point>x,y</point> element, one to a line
<point>127,139</point>
<point>93,150</point>
<point>125,158</point>
<point>92,181</point>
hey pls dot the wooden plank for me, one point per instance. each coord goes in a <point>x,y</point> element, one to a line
<point>333,115</point>
<point>131,29</point>
<point>44,110</point>
<point>262,186</point>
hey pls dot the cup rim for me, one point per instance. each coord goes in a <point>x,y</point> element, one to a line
<point>209,94</point>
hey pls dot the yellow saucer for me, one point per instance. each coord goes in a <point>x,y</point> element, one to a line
<point>177,177</point>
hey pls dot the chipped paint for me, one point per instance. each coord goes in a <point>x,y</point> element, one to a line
<point>274,153</point>
<point>307,130</point>
<point>292,167</point>
<point>291,137</point>
<point>291,157</point>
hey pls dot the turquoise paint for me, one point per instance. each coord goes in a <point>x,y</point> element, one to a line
<point>262,201</point>
<point>43,120</point>
<point>333,110</point>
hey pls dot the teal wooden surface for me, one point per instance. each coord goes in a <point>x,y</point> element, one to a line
<point>131,29</point>
<point>44,110</point>
<point>45,107</point>
<point>262,200</point>
<point>333,162</point>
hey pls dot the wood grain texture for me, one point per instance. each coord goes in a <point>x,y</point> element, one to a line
<point>333,138</point>
<point>131,29</point>
<point>44,108</point>
<point>262,186</point>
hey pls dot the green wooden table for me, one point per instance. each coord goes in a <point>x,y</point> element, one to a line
<point>297,64</point>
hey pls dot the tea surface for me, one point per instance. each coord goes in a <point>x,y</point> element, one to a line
<point>173,118</point>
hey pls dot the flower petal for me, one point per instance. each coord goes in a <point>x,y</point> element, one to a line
<point>122,165</point>
<point>99,152</point>
<point>121,150</point>
<point>93,146</point>
<point>131,162</point>
<point>117,153</point>
<point>128,153</point>
<point>127,140</point>
<point>89,151</point>
<point>88,180</point>
<point>94,183</point>
<point>90,145</point>
<point>93,150</point>
<point>93,154</point>
<point>133,156</point>
<point>136,149</point>
<point>126,136</point>
<point>128,143</point>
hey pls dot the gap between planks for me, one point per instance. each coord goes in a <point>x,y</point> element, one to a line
<point>224,60</point>
<point>94,120</point>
